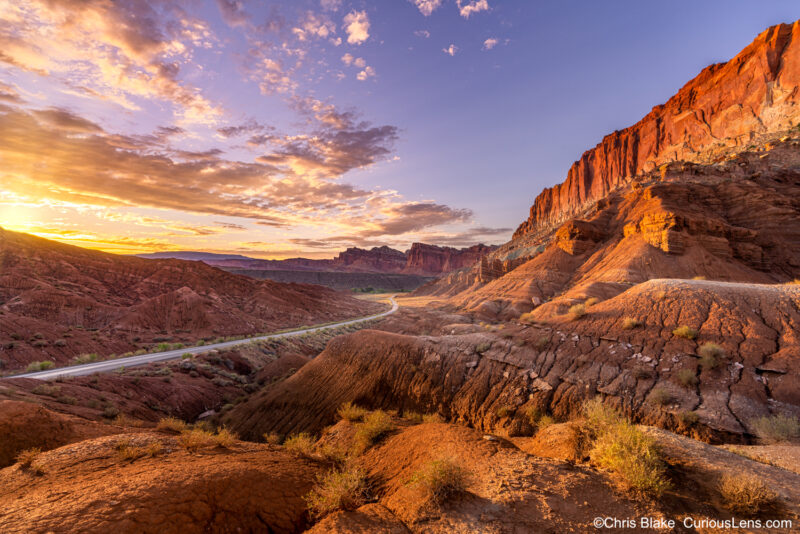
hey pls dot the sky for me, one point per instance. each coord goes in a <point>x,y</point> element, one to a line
<point>300,128</point>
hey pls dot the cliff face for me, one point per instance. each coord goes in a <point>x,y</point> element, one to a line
<point>430,259</point>
<point>378,259</point>
<point>727,105</point>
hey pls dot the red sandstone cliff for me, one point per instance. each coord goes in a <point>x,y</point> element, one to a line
<point>430,259</point>
<point>726,105</point>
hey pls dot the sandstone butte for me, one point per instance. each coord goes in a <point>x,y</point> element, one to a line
<point>727,105</point>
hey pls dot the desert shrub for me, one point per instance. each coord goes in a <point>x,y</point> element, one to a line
<point>60,343</point>
<point>544,421</point>
<point>273,438</point>
<point>301,443</point>
<point>154,448</point>
<point>39,366</point>
<point>375,425</point>
<point>337,490</point>
<point>124,420</point>
<point>685,332</point>
<point>414,417</point>
<point>38,335</point>
<point>198,438</point>
<point>27,457</point>
<point>629,323</point>
<point>776,429</point>
<point>689,418</point>
<point>67,399</point>
<point>542,343</point>
<point>483,347</point>
<point>336,454</point>
<point>126,451</point>
<point>110,411</point>
<point>441,479</point>
<point>577,311</point>
<point>710,354</point>
<point>163,347</point>
<point>47,389</point>
<point>85,358</point>
<point>745,495</point>
<point>660,396</point>
<point>599,415</point>
<point>687,378</point>
<point>591,301</point>
<point>172,424</point>
<point>432,418</point>
<point>526,317</point>
<point>504,411</point>
<point>350,412</point>
<point>630,453</point>
<point>699,277</point>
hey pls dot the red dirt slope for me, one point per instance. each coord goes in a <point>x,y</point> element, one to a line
<point>58,301</point>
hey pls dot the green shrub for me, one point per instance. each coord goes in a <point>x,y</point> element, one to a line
<point>685,332</point>
<point>777,428</point>
<point>483,347</point>
<point>85,358</point>
<point>337,490</point>
<point>39,366</point>
<point>441,479</point>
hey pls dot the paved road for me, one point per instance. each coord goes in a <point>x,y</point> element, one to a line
<point>142,359</point>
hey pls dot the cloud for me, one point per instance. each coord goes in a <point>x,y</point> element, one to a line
<point>330,5</point>
<point>249,127</point>
<point>450,50</point>
<point>119,50</point>
<point>365,74</point>
<point>357,27</point>
<point>313,25</point>
<point>490,43</point>
<point>67,121</point>
<point>415,216</point>
<point>232,12</point>
<point>347,59</point>
<point>295,184</point>
<point>10,94</point>
<point>422,33</point>
<point>475,6</point>
<point>426,7</point>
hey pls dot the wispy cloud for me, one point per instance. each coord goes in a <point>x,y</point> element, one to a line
<point>450,50</point>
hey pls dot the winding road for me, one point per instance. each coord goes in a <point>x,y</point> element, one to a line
<point>142,359</point>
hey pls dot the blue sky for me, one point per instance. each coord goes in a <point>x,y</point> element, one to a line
<point>279,129</point>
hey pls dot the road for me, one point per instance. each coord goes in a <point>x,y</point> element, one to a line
<point>142,359</point>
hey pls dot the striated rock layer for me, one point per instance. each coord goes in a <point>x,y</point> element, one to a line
<point>728,105</point>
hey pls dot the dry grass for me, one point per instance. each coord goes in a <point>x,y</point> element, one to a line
<point>412,417</point>
<point>337,490</point>
<point>538,419</point>
<point>432,418</point>
<point>272,438</point>
<point>660,396</point>
<point>442,479</point>
<point>350,412</point>
<point>629,323</point>
<point>687,378</point>
<point>301,443</point>
<point>777,428</point>
<point>745,495</point>
<point>689,418</point>
<point>172,424</point>
<point>199,438</point>
<point>710,354</point>
<point>125,420</point>
<point>27,458</point>
<point>504,411</point>
<point>591,301</point>
<point>374,427</point>
<point>621,447</point>
<point>577,311</point>
<point>526,317</point>
<point>685,332</point>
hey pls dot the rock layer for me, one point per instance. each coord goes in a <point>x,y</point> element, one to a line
<point>727,105</point>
